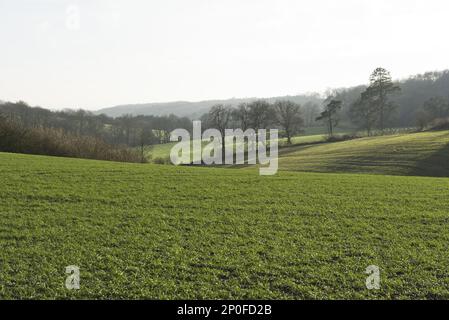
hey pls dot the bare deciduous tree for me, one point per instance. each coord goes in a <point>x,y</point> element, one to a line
<point>219,118</point>
<point>289,118</point>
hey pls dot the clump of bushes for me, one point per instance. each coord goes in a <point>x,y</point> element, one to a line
<point>440,124</point>
<point>16,138</point>
<point>339,138</point>
<point>161,160</point>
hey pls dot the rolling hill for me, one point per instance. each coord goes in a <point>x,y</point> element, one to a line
<point>190,109</point>
<point>415,154</point>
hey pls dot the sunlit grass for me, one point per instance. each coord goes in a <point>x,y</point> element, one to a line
<point>149,231</point>
<point>425,153</point>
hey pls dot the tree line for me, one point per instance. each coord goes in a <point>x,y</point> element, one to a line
<point>16,138</point>
<point>124,130</point>
<point>373,109</point>
<point>419,101</point>
<point>375,106</point>
<point>82,134</point>
<point>256,115</point>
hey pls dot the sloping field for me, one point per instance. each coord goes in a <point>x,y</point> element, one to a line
<point>162,151</point>
<point>417,154</point>
<point>147,231</point>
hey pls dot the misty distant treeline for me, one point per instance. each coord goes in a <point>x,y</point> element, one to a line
<point>415,92</point>
<point>194,110</point>
<point>411,105</point>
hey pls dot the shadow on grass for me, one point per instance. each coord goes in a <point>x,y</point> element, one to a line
<point>282,151</point>
<point>398,162</point>
<point>391,160</point>
<point>436,165</point>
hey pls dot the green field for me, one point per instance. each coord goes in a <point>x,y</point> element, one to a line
<point>416,154</point>
<point>149,231</point>
<point>162,151</point>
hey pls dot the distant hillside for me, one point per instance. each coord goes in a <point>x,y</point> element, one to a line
<point>191,109</point>
<point>416,154</point>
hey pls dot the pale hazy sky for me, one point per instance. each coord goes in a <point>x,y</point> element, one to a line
<point>133,51</point>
